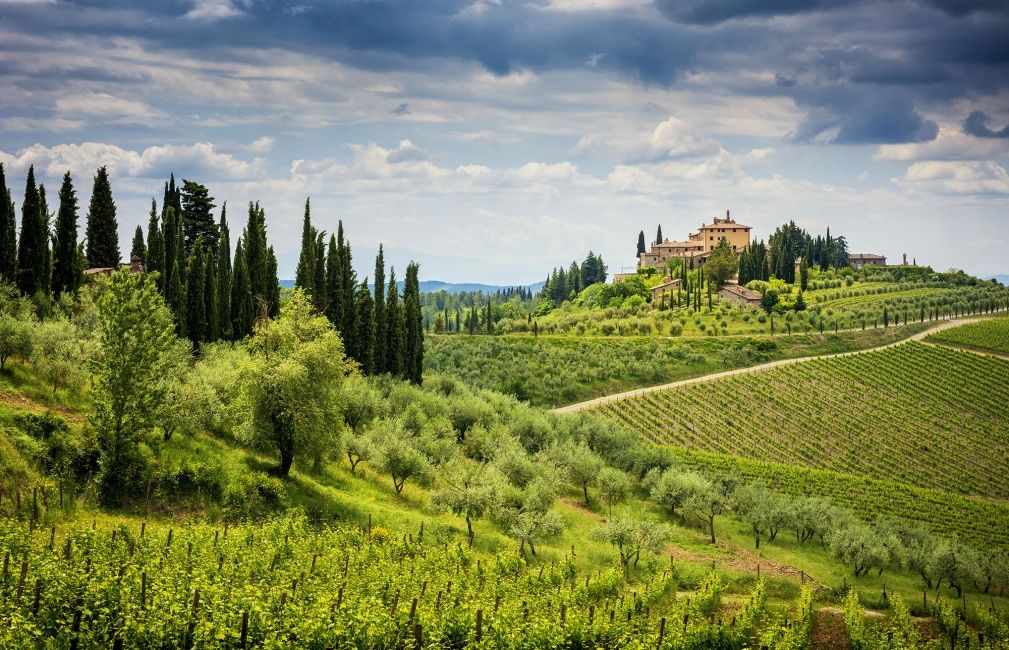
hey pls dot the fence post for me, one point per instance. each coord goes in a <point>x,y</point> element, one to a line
<point>245,629</point>
<point>479,624</point>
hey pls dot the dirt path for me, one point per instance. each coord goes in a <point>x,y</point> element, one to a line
<point>616,397</point>
<point>739,559</point>
<point>25,403</point>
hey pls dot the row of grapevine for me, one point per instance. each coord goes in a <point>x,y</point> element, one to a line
<point>990,334</point>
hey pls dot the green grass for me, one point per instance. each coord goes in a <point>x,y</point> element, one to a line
<point>558,370</point>
<point>990,335</point>
<point>930,417</point>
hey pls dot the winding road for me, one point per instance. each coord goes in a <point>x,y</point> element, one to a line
<point>616,397</point>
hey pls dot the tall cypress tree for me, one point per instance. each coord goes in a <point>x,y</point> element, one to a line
<point>255,259</point>
<point>197,218</point>
<point>196,306</point>
<point>32,244</point>
<point>8,233</point>
<point>364,337</point>
<point>102,227</point>
<point>242,313</point>
<point>304,275</point>
<point>273,284</point>
<point>66,267</point>
<point>641,243</point>
<point>333,286</point>
<point>658,235</point>
<point>394,335</point>
<point>176,299</point>
<point>46,256</point>
<point>171,245</point>
<point>321,295</point>
<point>224,276</point>
<point>211,305</point>
<point>348,283</point>
<point>413,348</point>
<point>155,247</point>
<point>380,363</point>
<point>138,248</point>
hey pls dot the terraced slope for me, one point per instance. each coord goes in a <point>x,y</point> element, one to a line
<point>922,415</point>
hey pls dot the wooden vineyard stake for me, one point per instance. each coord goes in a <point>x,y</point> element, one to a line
<point>244,638</point>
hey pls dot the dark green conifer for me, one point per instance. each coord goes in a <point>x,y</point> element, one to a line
<point>304,275</point>
<point>176,299</point>
<point>394,335</point>
<point>33,244</point>
<point>66,266</point>
<point>155,247</point>
<point>242,311</point>
<point>321,296</point>
<point>413,348</point>
<point>211,304</point>
<point>138,248</point>
<point>197,218</point>
<point>196,306</point>
<point>224,276</point>
<point>379,320</point>
<point>333,283</point>
<point>364,337</point>
<point>8,233</point>
<point>273,286</point>
<point>102,227</point>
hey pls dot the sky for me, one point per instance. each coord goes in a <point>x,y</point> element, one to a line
<point>491,140</point>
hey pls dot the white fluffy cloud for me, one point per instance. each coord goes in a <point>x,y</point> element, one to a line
<point>959,177</point>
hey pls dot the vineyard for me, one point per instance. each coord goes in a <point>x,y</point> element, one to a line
<point>991,335</point>
<point>934,417</point>
<point>288,583</point>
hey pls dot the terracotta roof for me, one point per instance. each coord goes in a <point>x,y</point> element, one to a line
<point>865,256</point>
<point>742,292</point>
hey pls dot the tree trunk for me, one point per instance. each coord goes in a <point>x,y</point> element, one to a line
<point>353,463</point>
<point>711,527</point>
<point>286,460</point>
<point>469,529</point>
<point>585,491</point>
<point>532,549</point>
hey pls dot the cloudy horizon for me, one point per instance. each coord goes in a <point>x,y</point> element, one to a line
<point>492,140</point>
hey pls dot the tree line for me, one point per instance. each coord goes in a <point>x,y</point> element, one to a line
<point>563,284</point>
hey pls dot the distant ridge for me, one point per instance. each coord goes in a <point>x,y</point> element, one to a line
<point>432,286</point>
<point>1001,278</point>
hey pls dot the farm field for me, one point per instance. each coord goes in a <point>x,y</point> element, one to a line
<point>558,370</point>
<point>990,335</point>
<point>933,417</point>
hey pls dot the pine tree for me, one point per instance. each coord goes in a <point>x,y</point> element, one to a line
<point>380,361</point>
<point>304,275</point>
<point>333,287</point>
<point>8,233</point>
<point>658,235</point>
<point>641,243</point>
<point>197,217</point>
<point>242,312</point>
<point>102,227</point>
<point>66,267</point>
<point>196,306</point>
<point>32,246</point>
<point>413,348</point>
<point>155,247</point>
<point>176,299</point>
<point>138,248</point>
<point>273,284</point>
<point>224,276</point>
<point>364,337</point>
<point>394,334</point>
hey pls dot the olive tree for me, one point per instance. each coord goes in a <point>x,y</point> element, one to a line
<point>291,387</point>
<point>362,405</point>
<point>396,455</point>
<point>632,536</point>
<point>15,338</point>
<point>469,491</point>
<point>579,463</point>
<point>613,486</point>
<point>705,500</point>
<point>670,488</point>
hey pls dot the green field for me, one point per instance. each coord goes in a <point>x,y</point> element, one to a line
<point>929,417</point>
<point>558,370</point>
<point>991,335</point>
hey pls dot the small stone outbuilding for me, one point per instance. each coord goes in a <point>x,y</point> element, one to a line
<point>739,295</point>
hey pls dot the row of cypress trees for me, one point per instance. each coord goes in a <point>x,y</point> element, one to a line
<point>47,263</point>
<point>381,333</point>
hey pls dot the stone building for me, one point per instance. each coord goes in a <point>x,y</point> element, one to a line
<point>859,260</point>
<point>699,244</point>
<point>739,295</point>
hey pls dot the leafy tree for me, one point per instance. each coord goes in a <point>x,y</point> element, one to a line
<point>858,546</point>
<point>671,488</point>
<point>197,220</point>
<point>362,405</point>
<point>33,247</point>
<point>138,351</point>
<point>291,387</point>
<point>579,463</point>
<point>470,490</point>
<point>722,264</point>
<point>399,457</point>
<point>413,349</point>
<point>59,355</point>
<point>66,266</point>
<point>632,536</point>
<point>102,228</point>
<point>15,337</point>
<point>8,233</point>
<point>706,501</point>
<point>613,486</point>
<point>769,300</point>
<point>800,303</point>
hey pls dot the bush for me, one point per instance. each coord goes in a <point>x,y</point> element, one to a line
<point>254,494</point>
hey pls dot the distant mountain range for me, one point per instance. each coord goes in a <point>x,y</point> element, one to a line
<point>432,286</point>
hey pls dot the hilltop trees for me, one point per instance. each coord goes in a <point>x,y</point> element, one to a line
<point>33,246</point>
<point>66,266</point>
<point>8,232</point>
<point>197,220</point>
<point>102,228</point>
<point>564,284</point>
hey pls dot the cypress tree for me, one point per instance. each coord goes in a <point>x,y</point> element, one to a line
<point>66,267</point>
<point>8,233</point>
<point>364,337</point>
<point>641,243</point>
<point>155,247</point>
<point>304,275</point>
<point>394,335</point>
<point>170,242</point>
<point>273,284</point>
<point>321,296</point>
<point>197,220</point>
<point>242,313</point>
<point>224,276</point>
<point>255,259</point>
<point>102,227</point>
<point>32,244</point>
<point>46,255</point>
<point>211,304</point>
<point>333,277</point>
<point>379,320</point>
<point>658,235</point>
<point>139,248</point>
<point>348,282</point>
<point>176,299</point>
<point>196,306</point>
<point>413,348</point>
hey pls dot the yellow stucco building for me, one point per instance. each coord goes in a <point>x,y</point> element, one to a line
<point>698,244</point>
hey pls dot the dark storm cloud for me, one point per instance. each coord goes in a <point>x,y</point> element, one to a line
<point>976,124</point>
<point>863,70</point>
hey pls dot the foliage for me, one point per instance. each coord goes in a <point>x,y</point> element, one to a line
<point>632,536</point>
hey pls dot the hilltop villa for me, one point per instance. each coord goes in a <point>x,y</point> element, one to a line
<point>698,244</point>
